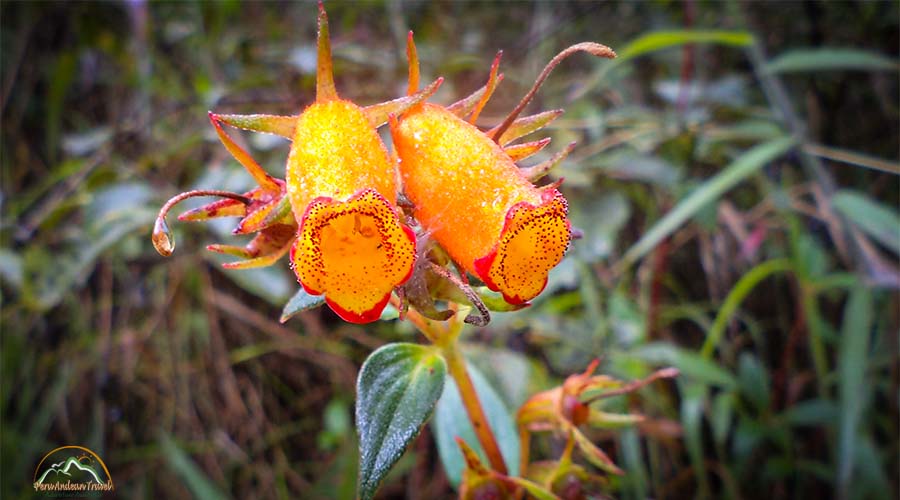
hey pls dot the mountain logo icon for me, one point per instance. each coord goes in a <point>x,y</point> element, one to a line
<point>72,469</point>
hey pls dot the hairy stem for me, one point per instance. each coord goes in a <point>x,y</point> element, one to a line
<point>457,366</point>
<point>434,331</point>
<point>444,335</point>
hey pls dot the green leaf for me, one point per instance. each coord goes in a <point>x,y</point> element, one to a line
<point>744,166</point>
<point>875,219</point>
<point>812,413</point>
<point>825,59</point>
<point>737,294</point>
<point>397,389</point>
<point>534,490</point>
<point>721,415</point>
<point>196,481</point>
<point>265,124</point>
<point>692,422</point>
<point>301,301</point>
<point>691,364</point>
<point>271,283</point>
<point>659,40</point>
<point>853,353</point>
<point>12,268</point>
<point>754,381</point>
<point>494,300</point>
<point>451,420</point>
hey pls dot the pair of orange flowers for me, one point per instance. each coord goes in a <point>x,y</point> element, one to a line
<point>340,221</point>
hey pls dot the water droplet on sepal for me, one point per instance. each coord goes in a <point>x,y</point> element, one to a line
<point>162,238</point>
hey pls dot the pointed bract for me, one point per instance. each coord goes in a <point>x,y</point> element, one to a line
<point>490,86</point>
<point>279,125</point>
<point>536,172</point>
<point>325,90</point>
<point>524,126</point>
<point>378,113</point>
<point>521,151</point>
<point>265,181</point>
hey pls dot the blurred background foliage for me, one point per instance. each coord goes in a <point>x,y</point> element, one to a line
<point>736,180</point>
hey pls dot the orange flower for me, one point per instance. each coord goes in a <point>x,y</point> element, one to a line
<point>469,193</point>
<point>342,186</point>
<point>335,212</point>
<point>351,245</point>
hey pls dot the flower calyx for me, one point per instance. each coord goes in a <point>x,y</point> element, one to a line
<point>565,408</point>
<point>468,192</point>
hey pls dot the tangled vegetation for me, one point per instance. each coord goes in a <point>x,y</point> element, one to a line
<point>735,186</point>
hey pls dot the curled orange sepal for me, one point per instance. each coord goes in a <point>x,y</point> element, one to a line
<point>355,252</point>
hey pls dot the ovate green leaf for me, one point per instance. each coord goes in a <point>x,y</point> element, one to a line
<point>396,391</point>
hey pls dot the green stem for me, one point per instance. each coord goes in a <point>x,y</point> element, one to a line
<point>815,328</point>
<point>444,335</point>
<point>524,450</point>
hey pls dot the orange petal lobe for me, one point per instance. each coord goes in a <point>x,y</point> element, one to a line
<point>355,252</point>
<point>533,241</point>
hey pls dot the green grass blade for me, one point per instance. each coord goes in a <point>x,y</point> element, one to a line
<point>695,396</point>
<point>737,294</point>
<point>745,165</point>
<point>830,59</point>
<point>196,481</point>
<point>853,352</point>
<point>875,219</point>
<point>660,40</point>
